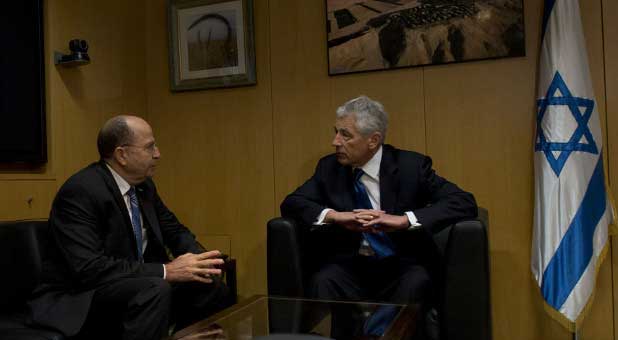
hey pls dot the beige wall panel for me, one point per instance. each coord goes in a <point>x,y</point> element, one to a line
<point>82,98</point>
<point>305,97</point>
<point>223,243</point>
<point>481,138</point>
<point>216,170</point>
<point>610,32</point>
<point>303,103</point>
<point>26,199</point>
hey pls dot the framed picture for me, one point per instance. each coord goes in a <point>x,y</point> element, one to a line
<point>371,35</point>
<point>211,44</point>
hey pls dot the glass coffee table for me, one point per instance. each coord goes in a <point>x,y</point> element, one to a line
<point>269,315</point>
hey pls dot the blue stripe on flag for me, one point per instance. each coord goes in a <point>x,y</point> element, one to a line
<point>549,6</point>
<point>575,250</point>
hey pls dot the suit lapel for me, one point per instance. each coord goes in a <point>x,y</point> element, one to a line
<point>113,188</point>
<point>343,188</point>
<point>389,180</point>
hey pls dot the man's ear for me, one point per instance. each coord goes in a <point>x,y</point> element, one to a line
<point>375,140</point>
<point>120,155</point>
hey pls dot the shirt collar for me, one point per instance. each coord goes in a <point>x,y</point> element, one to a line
<point>123,185</point>
<point>372,167</point>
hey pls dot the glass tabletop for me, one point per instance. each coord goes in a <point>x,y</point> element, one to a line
<point>264,315</point>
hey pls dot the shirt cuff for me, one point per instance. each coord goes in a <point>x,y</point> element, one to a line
<point>321,217</point>
<point>413,221</point>
<point>164,272</point>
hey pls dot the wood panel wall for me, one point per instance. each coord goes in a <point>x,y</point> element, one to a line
<point>231,155</point>
<point>216,169</point>
<point>610,32</point>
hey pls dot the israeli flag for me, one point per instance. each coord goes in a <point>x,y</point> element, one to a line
<point>572,211</point>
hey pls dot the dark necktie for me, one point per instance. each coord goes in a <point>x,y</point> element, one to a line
<point>136,221</point>
<point>379,242</point>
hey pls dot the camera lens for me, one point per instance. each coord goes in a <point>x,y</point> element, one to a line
<point>83,45</point>
<point>78,46</point>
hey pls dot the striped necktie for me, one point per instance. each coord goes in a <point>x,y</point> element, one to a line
<point>136,221</point>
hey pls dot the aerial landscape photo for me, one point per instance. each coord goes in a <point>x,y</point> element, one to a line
<point>366,35</point>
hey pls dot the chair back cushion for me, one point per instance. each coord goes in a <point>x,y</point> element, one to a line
<point>20,260</point>
<point>285,276</point>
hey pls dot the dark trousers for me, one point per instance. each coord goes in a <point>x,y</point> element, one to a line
<point>361,278</point>
<point>144,308</point>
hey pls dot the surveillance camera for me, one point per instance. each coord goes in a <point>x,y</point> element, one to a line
<point>78,55</point>
<point>78,46</point>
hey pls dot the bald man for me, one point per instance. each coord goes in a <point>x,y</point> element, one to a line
<point>108,275</point>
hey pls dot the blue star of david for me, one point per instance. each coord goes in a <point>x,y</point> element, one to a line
<point>582,131</point>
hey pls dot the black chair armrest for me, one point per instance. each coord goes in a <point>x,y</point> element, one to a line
<point>284,266</point>
<point>229,273</point>
<point>466,311</point>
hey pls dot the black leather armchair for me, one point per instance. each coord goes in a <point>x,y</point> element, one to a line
<point>464,313</point>
<point>22,248</point>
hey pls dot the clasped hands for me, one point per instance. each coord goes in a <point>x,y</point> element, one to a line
<point>194,267</point>
<point>367,220</point>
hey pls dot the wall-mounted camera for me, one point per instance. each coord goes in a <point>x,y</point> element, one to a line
<point>78,56</point>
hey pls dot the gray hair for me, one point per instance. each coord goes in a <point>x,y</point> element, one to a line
<point>114,133</point>
<point>369,114</point>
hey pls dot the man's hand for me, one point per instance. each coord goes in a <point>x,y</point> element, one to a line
<point>378,220</point>
<point>347,219</point>
<point>194,267</point>
<point>212,332</point>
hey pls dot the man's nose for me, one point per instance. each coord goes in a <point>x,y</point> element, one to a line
<point>157,153</point>
<point>336,140</point>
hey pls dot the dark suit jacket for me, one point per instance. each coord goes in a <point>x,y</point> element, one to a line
<point>407,183</point>
<point>93,244</point>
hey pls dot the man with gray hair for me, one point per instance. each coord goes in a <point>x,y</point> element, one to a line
<point>384,203</point>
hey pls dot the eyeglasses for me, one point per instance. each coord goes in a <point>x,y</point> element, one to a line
<point>151,147</point>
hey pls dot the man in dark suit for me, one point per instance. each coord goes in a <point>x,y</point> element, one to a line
<point>385,205</point>
<point>108,274</point>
